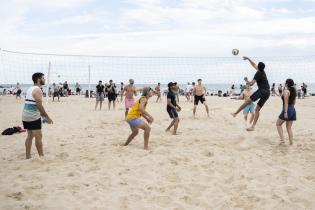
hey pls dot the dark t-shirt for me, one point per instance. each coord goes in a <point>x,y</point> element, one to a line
<point>100,89</point>
<point>110,89</point>
<point>261,79</point>
<point>171,96</point>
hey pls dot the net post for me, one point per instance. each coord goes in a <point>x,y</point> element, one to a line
<point>48,80</point>
<point>89,81</point>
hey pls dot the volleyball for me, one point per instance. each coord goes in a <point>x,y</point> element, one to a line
<point>235,52</point>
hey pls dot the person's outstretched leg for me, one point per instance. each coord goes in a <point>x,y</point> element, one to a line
<point>248,101</point>
<point>96,105</point>
<point>194,110</point>
<point>207,109</point>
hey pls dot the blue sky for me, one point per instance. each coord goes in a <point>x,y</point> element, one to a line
<point>159,28</point>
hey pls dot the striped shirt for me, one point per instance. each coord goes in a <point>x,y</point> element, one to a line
<point>30,111</point>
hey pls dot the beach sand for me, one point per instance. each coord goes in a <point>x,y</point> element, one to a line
<point>212,163</point>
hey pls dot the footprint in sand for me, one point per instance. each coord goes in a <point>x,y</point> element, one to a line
<point>17,196</point>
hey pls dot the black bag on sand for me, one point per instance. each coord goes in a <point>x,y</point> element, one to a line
<point>10,131</point>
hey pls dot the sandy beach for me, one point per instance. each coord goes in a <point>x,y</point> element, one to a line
<point>211,164</point>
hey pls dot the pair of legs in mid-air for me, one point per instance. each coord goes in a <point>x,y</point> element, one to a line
<point>260,94</point>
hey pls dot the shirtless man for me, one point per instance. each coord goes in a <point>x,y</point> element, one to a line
<point>130,90</point>
<point>176,89</point>
<point>250,108</point>
<point>199,95</point>
<point>158,92</point>
<point>56,91</point>
<point>191,91</point>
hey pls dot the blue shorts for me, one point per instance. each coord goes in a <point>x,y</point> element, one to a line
<point>134,123</point>
<point>249,108</point>
<point>291,114</point>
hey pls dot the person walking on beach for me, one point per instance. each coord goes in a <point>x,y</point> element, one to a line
<point>263,92</point>
<point>176,91</point>
<point>18,91</point>
<point>65,88</point>
<point>273,90</point>
<point>55,91</point>
<point>191,91</point>
<point>130,91</point>
<point>172,107</point>
<point>288,113</point>
<point>280,89</point>
<point>199,95</point>
<point>31,116</point>
<point>77,89</point>
<point>134,118</point>
<point>158,92</point>
<point>100,94</point>
<point>122,86</point>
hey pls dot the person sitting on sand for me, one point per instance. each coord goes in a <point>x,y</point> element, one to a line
<point>199,95</point>
<point>288,113</point>
<point>172,107</point>
<point>262,93</point>
<point>32,113</point>
<point>130,91</point>
<point>134,118</point>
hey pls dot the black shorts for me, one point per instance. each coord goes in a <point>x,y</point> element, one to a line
<point>199,98</point>
<point>18,93</point>
<point>172,113</point>
<point>262,95</point>
<point>56,94</point>
<point>112,96</point>
<point>33,125</point>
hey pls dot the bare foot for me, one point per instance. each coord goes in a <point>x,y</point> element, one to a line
<point>174,133</point>
<point>251,129</point>
<point>291,142</point>
<point>281,142</point>
<point>167,130</point>
<point>233,114</point>
<point>146,148</point>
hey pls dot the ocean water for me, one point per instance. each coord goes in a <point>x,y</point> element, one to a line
<point>211,88</point>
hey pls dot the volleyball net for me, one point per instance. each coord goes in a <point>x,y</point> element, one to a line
<point>86,69</point>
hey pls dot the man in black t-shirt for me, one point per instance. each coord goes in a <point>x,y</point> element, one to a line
<point>111,91</point>
<point>172,107</point>
<point>262,93</point>
<point>100,94</point>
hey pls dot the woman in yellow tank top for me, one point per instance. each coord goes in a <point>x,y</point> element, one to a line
<point>134,118</point>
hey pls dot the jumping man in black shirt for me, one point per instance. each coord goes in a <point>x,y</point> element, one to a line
<point>262,93</point>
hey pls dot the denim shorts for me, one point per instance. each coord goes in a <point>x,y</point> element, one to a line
<point>134,123</point>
